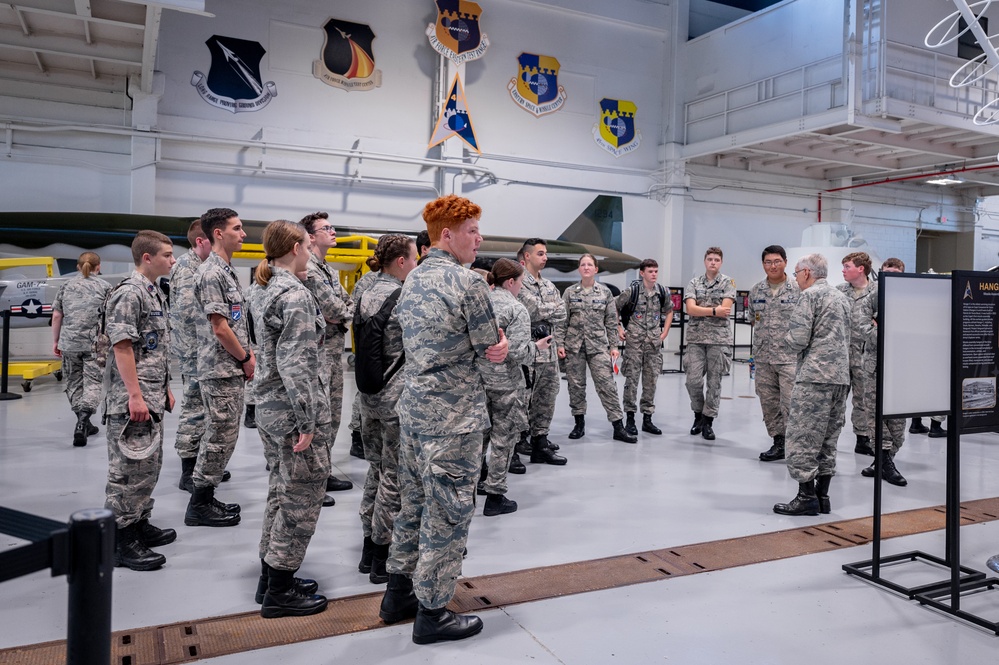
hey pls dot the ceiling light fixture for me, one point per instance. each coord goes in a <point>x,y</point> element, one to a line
<point>944,180</point>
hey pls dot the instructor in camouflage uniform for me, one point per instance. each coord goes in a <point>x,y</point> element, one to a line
<point>292,419</point>
<point>75,318</point>
<point>338,308</point>
<point>771,302</point>
<point>709,299</point>
<point>819,334</point>
<point>863,294</point>
<point>646,315</point>
<point>184,346</point>
<point>589,339</point>
<point>225,363</point>
<point>137,395</point>
<point>547,312</point>
<point>447,321</point>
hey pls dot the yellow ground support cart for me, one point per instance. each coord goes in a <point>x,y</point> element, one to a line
<point>30,370</point>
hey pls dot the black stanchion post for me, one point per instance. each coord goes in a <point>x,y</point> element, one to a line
<point>91,538</point>
<point>5,361</point>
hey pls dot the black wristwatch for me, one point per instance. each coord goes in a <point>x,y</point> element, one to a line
<point>246,359</point>
<point>713,313</point>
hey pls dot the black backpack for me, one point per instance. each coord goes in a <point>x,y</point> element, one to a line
<point>636,290</point>
<point>371,373</point>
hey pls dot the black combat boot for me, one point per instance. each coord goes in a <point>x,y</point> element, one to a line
<point>367,552</point>
<point>379,556</point>
<point>130,552</point>
<point>649,426</point>
<point>480,487</point>
<point>629,424</point>
<point>863,446</point>
<point>356,444</point>
<point>822,493</point>
<point>334,484</point>
<point>284,598</point>
<point>936,431</point>
<point>621,432</point>
<point>541,453</point>
<point>917,427</point>
<point>523,446</point>
<point>91,428</point>
<point>889,472</point>
<point>498,504</point>
<point>186,470</point>
<point>205,510</point>
<point>776,451</point>
<point>80,431</point>
<point>305,586</point>
<point>443,624</point>
<point>706,430</point>
<point>804,503</point>
<point>695,429</point>
<point>152,536</point>
<point>399,601</point>
<point>516,466</point>
<point>580,429</point>
<point>250,419</point>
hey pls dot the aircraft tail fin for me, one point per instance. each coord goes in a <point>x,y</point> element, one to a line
<point>600,224</point>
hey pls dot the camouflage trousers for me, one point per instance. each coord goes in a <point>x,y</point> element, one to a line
<point>295,490</point>
<point>706,363</point>
<point>892,434</point>
<point>191,427</point>
<point>541,408</point>
<point>83,380</point>
<point>817,416</point>
<point>774,384</point>
<point>643,358</point>
<point>509,419</point>
<point>355,414</point>
<point>603,380</point>
<point>863,386</point>
<point>223,399</point>
<point>336,385</point>
<point>129,492</point>
<point>381,501</point>
<point>437,477</point>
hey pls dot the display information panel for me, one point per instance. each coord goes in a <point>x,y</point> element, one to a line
<point>976,295</point>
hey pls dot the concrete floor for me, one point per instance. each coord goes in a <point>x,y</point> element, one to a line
<point>612,498</point>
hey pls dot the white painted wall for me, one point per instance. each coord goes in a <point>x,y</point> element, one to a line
<point>909,21</point>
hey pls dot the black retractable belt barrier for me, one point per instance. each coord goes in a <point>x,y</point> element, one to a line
<point>4,395</point>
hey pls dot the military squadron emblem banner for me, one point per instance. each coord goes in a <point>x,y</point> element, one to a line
<point>456,33</point>
<point>234,82</point>
<point>454,119</point>
<point>536,88</point>
<point>615,131</point>
<point>348,60</point>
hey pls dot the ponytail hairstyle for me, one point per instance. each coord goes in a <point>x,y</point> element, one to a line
<point>88,263</point>
<point>279,239</point>
<point>503,270</point>
<point>389,248</point>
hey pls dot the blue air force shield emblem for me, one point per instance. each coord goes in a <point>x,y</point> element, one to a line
<point>456,33</point>
<point>234,82</point>
<point>615,132</point>
<point>348,60</point>
<point>536,88</point>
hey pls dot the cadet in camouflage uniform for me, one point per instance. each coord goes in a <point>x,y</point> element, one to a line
<point>893,429</point>
<point>447,321</point>
<point>292,419</point>
<point>356,441</point>
<point>647,328</point>
<point>338,308</point>
<point>75,319</point>
<point>225,363</point>
<point>137,395</point>
<point>819,334</point>
<point>771,302</point>
<point>505,384</point>
<point>863,294</point>
<point>184,347</point>
<point>394,259</point>
<point>589,338</point>
<point>545,306</point>
<point>709,299</point>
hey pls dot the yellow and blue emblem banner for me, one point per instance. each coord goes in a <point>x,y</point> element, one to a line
<point>536,88</point>
<point>456,33</point>
<point>348,60</point>
<point>455,119</point>
<point>615,132</point>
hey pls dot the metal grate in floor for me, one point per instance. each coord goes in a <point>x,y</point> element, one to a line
<point>236,633</point>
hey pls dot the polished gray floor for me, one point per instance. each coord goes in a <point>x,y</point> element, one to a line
<point>612,498</point>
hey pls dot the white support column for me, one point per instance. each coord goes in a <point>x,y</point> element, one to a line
<point>674,199</point>
<point>145,111</point>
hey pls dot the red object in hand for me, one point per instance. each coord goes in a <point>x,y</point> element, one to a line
<point>615,367</point>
